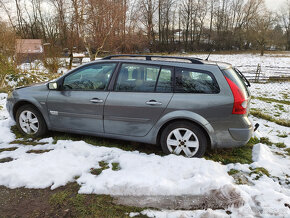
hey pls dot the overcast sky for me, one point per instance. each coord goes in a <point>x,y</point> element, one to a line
<point>274,4</point>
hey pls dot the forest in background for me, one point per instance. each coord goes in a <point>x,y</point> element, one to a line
<point>138,26</point>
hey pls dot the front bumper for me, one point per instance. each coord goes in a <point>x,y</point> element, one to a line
<point>9,106</point>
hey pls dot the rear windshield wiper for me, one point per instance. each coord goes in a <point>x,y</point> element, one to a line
<point>243,77</point>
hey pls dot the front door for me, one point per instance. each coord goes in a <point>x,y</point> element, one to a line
<point>80,102</point>
<point>141,94</point>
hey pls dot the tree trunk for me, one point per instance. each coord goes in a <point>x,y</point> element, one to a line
<point>262,50</point>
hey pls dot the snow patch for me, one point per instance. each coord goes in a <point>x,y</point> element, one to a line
<point>140,174</point>
<point>209,213</point>
<point>263,157</point>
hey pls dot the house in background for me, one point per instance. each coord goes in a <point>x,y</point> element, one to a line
<point>28,50</point>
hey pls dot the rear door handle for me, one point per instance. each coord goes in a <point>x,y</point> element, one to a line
<point>153,102</point>
<point>96,100</point>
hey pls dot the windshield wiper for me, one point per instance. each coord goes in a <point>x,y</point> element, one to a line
<point>243,77</point>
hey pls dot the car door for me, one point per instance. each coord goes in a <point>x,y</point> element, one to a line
<point>79,104</point>
<point>140,96</point>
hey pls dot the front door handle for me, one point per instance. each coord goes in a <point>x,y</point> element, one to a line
<point>96,100</point>
<point>153,102</point>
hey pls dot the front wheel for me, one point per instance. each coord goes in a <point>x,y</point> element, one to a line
<point>183,138</point>
<point>30,121</point>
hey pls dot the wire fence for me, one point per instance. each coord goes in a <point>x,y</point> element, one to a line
<point>262,74</point>
<point>270,90</point>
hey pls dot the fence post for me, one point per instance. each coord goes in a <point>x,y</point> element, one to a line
<point>258,72</point>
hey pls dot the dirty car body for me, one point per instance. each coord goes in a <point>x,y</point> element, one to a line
<point>136,100</point>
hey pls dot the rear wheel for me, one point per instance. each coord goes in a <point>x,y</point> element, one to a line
<point>183,138</point>
<point>30,121</point>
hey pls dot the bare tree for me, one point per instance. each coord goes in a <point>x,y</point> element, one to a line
<point>7,51</point>
<point>186,13</point>
<point>261,30</point>
<point>7,10</point>
<point>201,11</point>
<point>285,20</point>
<point>148,9</point>
<point>128,26</point>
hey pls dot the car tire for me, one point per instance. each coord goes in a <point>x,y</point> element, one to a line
<point>183,138</point>
<point>30,121</point>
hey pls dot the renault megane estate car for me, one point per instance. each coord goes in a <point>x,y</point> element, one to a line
<point>185,104</point>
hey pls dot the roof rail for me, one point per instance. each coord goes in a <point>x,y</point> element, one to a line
<point>149,57</point>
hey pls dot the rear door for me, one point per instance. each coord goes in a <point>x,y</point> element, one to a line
<point>198,91</point>
<point>140,96</point>
<point>80,103</point>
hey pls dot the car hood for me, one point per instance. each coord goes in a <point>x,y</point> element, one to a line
<point>31,85</point>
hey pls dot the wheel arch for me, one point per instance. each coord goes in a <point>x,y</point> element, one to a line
<point>20,103</point>
<point>205,130</point>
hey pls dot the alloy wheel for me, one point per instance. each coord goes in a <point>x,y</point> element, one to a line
<point>28,122</point>
<point>182,140</point>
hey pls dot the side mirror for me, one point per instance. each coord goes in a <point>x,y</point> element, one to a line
<point>52,86</point>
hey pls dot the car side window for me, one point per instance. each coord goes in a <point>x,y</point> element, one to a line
<point>164,83</point>
<point>93,77</point>
<point>137,78</point>
<point>195,81</point>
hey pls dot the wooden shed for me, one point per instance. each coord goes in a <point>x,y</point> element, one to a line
<point>28,50</point>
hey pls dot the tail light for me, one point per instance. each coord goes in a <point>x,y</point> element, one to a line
<point>240,101</point>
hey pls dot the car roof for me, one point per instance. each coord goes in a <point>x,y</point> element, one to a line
<point>177,61</point>
<point>222,65</point>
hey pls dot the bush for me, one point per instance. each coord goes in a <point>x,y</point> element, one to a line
<point>52,64</point>
<point>7,67</point>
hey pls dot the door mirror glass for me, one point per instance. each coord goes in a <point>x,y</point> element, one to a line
<point>52,86</point>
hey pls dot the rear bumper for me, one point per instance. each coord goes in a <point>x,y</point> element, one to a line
<point>233,137</point>
<point>240,134</point>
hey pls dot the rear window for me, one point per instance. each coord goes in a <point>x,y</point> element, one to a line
<point>235,77</point>
<point>195,81</point>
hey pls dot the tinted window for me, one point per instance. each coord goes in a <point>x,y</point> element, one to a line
<point>92,77</point>
<point>137,78</point>
<point>195,81</point>
<point>164,83</point>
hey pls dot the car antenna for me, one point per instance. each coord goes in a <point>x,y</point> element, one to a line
<point>209,54</point>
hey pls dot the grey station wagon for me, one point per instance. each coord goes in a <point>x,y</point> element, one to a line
<point>185,104</point>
